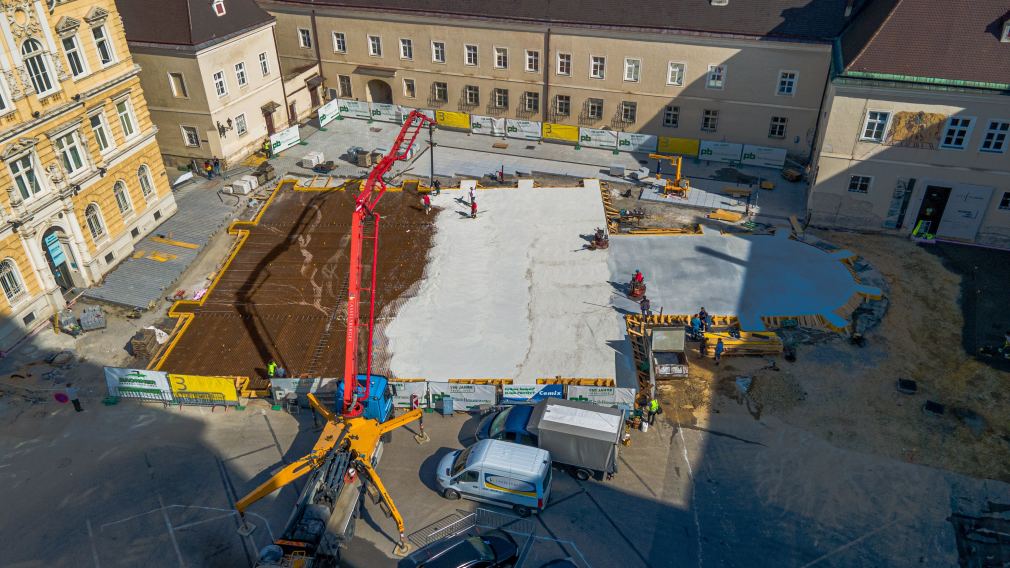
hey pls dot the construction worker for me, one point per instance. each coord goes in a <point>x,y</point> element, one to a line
<point>271,369</point>
<point>653,410</point>
<point>473,208</point>
<point>703,316</point>
<point>473,195</point>
<point>646,306</point>
<point>426,201</point>
<point>267,149</point>
<point>638,278</point>
<point>719,348</point>
<point>72,394</point>
<point>695,326</point>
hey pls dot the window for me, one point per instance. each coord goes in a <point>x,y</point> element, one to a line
<point>594,109</point>
<point>958,131</point>
<point>787,83</point>
<point>564,64</point>
<point>219,8</point>
<point>501,58</point>
<point>339,42</point>
<point>632,70</point>
<point>94,218</point>
<point>220,85</point>
<point>76,59</point>
<point>563,105</point>
<point>532,61</point>
<point>716,76</point>
<point>597,67</point>
<point>344,83</point>
<point>675,74</point>
<point>876,122</point>
<point>23,173</point>
<point>240,76</point>
<point>37,66</point>
<point>304,38</point>
<point>470,54</point>
<point>105,54</point>
<point>264,64</point>
<point>629,111</point>
<point>472,95</point>
<point>468,477</point>
<point>440,92</point>
<point>101,131</point>
<point>11,281</point>
<point>501,98</point>
<point>157,215</point>
<point>408,88</point>
<point>375,46</point>
<point>995,136</point>
<point>531,101</point>
<point>777,128</point>
<point>710,120</point>
<point>122,199</point>
<point>671,117</point>
<point>240,125</point>
<point>860,184</point>
<point>144,177</point>
<point>438,51</point>
<point>191,136</point>
<point>406,49</point>
<point>178,84</point>
<point>1004,203</point>
<point>68,148</point>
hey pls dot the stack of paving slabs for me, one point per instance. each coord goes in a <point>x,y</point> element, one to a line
<point>144,344</point>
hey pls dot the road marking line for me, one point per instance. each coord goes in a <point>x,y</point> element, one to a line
<point>848,544</point>
<point>94,548</point>
<point>217,518</point>
<point>694,486</point>
<point>171,532</point>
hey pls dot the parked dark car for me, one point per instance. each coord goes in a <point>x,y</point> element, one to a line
<point>492,550</point>
<point>508,424</point>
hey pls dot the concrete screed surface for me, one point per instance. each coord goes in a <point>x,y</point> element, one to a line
<point>511,294</point>
<point>749,277</point>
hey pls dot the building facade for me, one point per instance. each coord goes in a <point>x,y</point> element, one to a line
<point>210,72</point>
<point>82,170</point>
<point>916,136</point>
<point>720,73</point>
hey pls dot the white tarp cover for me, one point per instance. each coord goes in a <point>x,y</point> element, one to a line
<point>524,129</point>
<point>597,138</point>
<point>487,125</point>
<point>608,423</point>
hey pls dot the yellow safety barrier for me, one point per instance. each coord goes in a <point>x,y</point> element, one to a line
<point>583,382</point>
<point>681,146</point>
<point>482,381</point>
<point>450,119</point>
<point>224,386</point>
<point>561,132</point>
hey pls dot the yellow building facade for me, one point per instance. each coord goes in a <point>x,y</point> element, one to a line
<point>82,171</point>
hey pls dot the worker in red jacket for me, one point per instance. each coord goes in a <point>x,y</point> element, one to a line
<point>473,208</point>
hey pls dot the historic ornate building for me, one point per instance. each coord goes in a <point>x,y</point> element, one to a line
<point>82,171</point>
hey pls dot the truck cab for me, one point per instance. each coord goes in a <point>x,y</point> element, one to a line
<point>378,405</point>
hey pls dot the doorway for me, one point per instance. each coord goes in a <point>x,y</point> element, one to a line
<point>292,114</point>
<point>268,117</point>
<point>934,202</point>
<point>59,257</point>
<point>380,92</point>
<point>314,96</point>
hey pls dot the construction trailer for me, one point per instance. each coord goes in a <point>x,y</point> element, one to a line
<point>668,350</point>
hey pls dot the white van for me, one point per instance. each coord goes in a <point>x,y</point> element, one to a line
<point>498,472</point>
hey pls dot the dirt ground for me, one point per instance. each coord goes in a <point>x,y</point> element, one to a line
<point>847,394</point>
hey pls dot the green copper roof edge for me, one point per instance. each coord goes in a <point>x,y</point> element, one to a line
<point>928,80</point>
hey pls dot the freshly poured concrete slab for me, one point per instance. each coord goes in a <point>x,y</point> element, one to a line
<point>745,276</point>
<point>512,294</point>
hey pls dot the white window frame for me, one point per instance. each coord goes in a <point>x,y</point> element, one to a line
<point>629,65</point>
<point>435,94</point>
<point>773,124</point>
<point>435,50</point>
<point>996,132</point>
<point>102,232</point>
<point>467,90</point>
<point>530,97</point>
<point>590,104</point>
<point>220,83</point>
<point>46,70</point>
<point>710,76</point>
<point>499,54</point>
<point>412,93</point>
<point>182,81</point>
<point>304,38</point>
<point>20,292</point>
<point>853,177</point>
<point>674,111</point>
<point>65,149</point>
<point>103,123</point>
<point>712,113</point>
<point>36,179</point>
<point>241,77</point>
<point>497,100</point>
<point>107,41</point>
<point>592,67</point>
<point>241,125</point>
<point>567,58</point>
<point>625,105</point>
<point>792,87</point>
<point>568,105</point>
<point>374,47</point>
<point>532,56</point>
<point>219,9</point>
<point>264,64</point>
<point>129,210</point>
<point>185,135</point>
<point>339,42</point>
<point>883,129</point>
<point>144,175</point>
<point>131,114</point>
<point>79,52</point>
<point>967,132</point>
<point>476,54</point>
<point>670,66</point>
<point>406,49</point>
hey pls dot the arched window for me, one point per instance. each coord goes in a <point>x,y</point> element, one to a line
<point>38,68</point>
<point>122,198</point>
<point>146,185</point>
<point>94,218</point>
<point>11,281</point>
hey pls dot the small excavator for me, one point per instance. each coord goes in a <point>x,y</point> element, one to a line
<point>341,465</point>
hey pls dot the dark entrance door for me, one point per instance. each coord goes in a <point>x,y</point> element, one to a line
<point>292,114</point>
<point>58,258</point>
<point>931,210</point>
<point>268,117</point>
<point>314,95</point>
<point>380,92</point>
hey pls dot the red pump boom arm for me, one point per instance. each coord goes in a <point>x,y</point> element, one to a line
<point>364,208</point>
